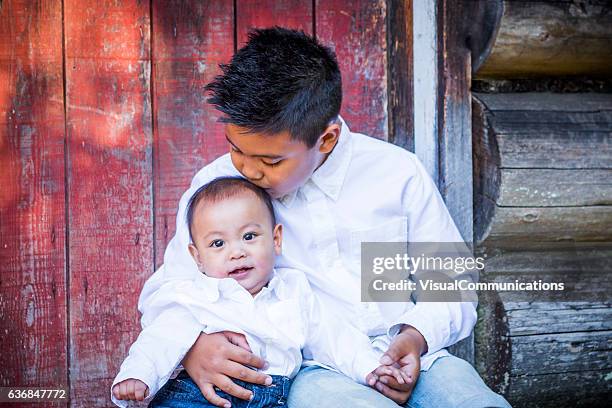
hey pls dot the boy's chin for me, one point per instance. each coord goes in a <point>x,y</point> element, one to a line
<point>273,193</point>
<point>277,195</point>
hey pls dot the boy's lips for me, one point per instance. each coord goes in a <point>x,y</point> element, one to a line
<point>240,273</point>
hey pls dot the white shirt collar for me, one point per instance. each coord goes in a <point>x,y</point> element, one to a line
<point>213,288</point>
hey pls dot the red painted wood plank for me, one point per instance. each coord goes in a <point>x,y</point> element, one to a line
<point>190,40</point>
<point>356,29</point>
<point>107,47</point>
<point>33,340</point>
<point>296,14</point>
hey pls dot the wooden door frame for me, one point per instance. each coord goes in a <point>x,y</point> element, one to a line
<point>443,115</point>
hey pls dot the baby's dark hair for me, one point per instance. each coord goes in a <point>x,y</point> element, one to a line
<point>223,188</point>
<point>281,80</point>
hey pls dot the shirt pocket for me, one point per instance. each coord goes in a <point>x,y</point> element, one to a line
<point>394,230</point>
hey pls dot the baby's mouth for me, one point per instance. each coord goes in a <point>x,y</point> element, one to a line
<point>240,272</point>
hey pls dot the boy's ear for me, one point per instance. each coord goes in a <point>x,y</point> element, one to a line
<point>329,138</point>
<point>278,239</point>
<point>195,254</point>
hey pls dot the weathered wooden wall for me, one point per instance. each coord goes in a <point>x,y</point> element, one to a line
<point>103,122</point>
<point>543,207</point>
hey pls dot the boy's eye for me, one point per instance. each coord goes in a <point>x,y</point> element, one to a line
<point>272,164</point>
<point>217,243</point>
<point>249,236</point>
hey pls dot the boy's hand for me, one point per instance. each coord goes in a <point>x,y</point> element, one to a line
<point>216,358</point>
<point>393,382</point>
<point>131,390</point>
<point>404,352</point>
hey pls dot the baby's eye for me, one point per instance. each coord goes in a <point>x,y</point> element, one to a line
<point>217,243</point>
<point>249,236</point>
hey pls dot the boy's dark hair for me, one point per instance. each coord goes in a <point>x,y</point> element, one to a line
<point>281,80</point>
<point>222,188</point>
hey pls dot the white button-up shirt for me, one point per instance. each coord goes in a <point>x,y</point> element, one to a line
<point>280,321</point>
<point>366,191</point>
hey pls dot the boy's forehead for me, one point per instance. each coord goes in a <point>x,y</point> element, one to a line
<point>263,145</point>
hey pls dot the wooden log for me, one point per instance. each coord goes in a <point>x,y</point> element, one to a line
<point>587,388</point>
<point>190,40</point>
<point>525,349</point>
<point>356,30</point>
<point>551,38</point>
<point>585,317</point>
<point>109,171</point>
<point>542,167</point>
<point>527,224</point>
<point>580,351</point>
<point>33,292</point>
<point>555,187</point>
<point>561,258</point>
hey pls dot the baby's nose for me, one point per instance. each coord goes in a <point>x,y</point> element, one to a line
<point>237,252</point>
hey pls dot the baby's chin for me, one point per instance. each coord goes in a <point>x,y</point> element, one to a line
<point>254,288</point>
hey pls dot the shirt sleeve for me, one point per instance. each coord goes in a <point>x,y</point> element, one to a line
<point>442,324</point>
<point>155,354</point>
<point>335,343</point>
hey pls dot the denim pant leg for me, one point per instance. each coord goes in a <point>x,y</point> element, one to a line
<point>180,392</point>
<point>318,387</point>
<point>453,382</point>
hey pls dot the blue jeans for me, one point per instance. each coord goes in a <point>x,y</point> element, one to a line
<point>182,392</point>
<point>449,382</point>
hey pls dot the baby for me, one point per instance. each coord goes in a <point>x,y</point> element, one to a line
<point>235,239</point>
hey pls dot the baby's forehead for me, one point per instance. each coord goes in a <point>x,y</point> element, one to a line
<point>264,217</point>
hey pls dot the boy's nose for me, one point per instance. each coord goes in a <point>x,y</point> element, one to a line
<point>250,171</point>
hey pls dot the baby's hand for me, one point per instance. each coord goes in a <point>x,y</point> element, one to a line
<point>131,390</point>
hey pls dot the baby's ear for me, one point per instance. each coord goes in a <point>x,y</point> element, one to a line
<point>195,255</point>
<point>278,239</point>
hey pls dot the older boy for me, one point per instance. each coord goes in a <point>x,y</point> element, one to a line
<point>333,189</point>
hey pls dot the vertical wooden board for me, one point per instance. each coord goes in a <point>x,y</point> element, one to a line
<point>33,337</point>
<point>107,48</point>
<point>455,128</point>
<point>401,90</point>
<point>296,14</point>
<point>190,40</point>
<point>455,116</point>
<point>357,30</point>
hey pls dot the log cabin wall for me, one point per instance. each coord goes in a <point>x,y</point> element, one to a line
<point>542,132</point>
<point>103,123</point>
